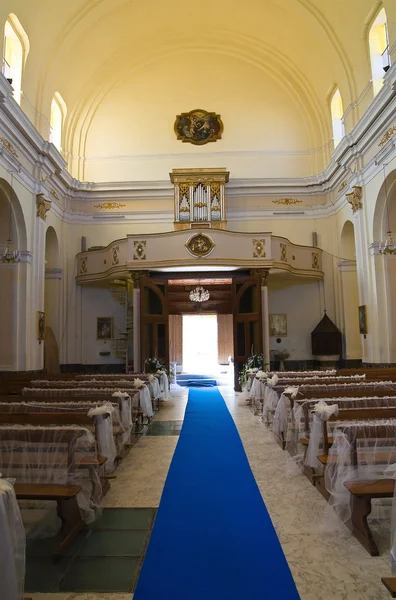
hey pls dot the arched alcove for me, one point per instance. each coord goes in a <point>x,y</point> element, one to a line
<point>385,268</point>
<point>12,282</point>
<point>350,293</point>
<point>52,297</point>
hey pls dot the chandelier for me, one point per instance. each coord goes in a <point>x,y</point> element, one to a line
<point>199,294</point>
<point>10,256</point>
<point>387,246</point>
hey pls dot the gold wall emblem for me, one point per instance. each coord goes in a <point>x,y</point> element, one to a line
<point>200,245</point>
<point>389,133</point>
<point>355,198</point>
<point>315,260</point>
<point>258,248</point>
<point>115,252</point>
<point>83,264</point>
<point>43,206</point>
<point>287,201</point>
<point>283,254</point>
<point>140,250</point>
<point>109,205</point>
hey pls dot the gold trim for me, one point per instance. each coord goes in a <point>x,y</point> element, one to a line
<point>55,195</point>
<point>200,245</point>
<point>389,133</point>
<point>342,186</point>
<point>287,201</point>
<point>43,206</point>
<point>355,198</point>
<point>109,205</point>
<point>8,146</point>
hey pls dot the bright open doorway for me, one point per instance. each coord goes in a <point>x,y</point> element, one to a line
<point>200,347</point>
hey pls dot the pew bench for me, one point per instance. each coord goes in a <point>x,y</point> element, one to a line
<point>68,511</point>
<point>362,494</point>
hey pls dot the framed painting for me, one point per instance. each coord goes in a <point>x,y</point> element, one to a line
<point>104,328</point>
<point>363,319</point>
<point>40,325</point>
<point>198,127</point>
<point>278,325</point>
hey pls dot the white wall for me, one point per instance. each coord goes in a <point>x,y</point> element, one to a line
<point>300,301</point>
<point>98,302</point>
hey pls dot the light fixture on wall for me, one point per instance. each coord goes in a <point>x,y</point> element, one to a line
<point>10,256</point>
<point>199,294</point>
<point>387,246</point>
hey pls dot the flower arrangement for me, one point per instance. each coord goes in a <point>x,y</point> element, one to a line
<point>154,365</point>
<point>253,364</point>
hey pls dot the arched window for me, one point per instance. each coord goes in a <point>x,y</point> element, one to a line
<point>379,50</point>
<point>15,51</point>
<point>337,112</point>
<point>57,118</point>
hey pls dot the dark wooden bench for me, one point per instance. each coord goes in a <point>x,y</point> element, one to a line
<point>390,584</point>
<point>65,495</point>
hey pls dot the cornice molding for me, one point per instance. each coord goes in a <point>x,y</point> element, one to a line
<point>49,175</point>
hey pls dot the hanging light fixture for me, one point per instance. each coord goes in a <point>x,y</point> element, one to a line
<point>199,294</point>
<point>10,256</point>
<point>387,246</point>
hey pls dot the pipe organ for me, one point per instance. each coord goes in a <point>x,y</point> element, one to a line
<point>199,197</point>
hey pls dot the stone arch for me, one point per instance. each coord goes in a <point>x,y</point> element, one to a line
<point>350,293</point>
<point>52,300</point>
<point>13,281</point>
<point>384,268</point>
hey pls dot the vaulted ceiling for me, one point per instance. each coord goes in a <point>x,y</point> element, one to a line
<point>99,53</point>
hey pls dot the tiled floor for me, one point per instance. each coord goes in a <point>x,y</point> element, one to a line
<point>325,566</point>
<point>106,557</point>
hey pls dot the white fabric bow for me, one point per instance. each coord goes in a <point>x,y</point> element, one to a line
<point>151,377</point>
<point>272,381</point>
<point>160,372</point>
<point>118,394</point>
<point>292,390</point>
<point>101,410</point>
<point>138,383</point>
<point>324,411</point>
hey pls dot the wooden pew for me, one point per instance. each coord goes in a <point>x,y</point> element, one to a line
<point>348,415</point>
<point>65,495</point>
<point>93,463</point>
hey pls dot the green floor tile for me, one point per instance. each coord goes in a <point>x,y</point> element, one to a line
<point>125,518</point>
<point>42,575</point>
<point>45,546</point>
<point>104,542</point>
<point>101,575</point>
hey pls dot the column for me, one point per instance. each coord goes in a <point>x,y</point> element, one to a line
<point>136,322</point>
<point>129,325</point>
<point>265,316</point>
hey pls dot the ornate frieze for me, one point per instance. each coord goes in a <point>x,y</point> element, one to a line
<point>355,198</point>
<point>283,252</point>
<point>287,201</point>
<point>315,260</point>
<point>115,252</point>
<point>389,133</point>
<point>200,245</point>
<point>258,248</point>
<point>109,205</point>
<point>8,146</point>
<point>83,265</point>
<point>139,250</point>
<point>43,206</point>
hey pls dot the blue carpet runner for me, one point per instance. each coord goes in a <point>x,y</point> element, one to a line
<point>213,538</point>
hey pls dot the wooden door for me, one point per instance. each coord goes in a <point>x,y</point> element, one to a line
<point>247,317</point>
<point>154,328</point>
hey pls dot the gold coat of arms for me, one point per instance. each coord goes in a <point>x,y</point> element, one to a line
<point>198,127</point>
<point>200,245</point>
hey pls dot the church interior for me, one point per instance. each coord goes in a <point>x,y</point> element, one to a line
<point>197,271</point>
